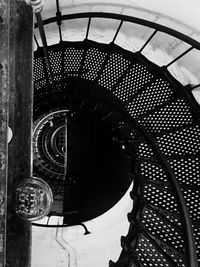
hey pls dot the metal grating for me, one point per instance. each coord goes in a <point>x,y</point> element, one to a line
<point>187,170</point>
<point>153,171</point>
<point>135,79</point>
<point>58,203</point>
<point>149,255</point>
<point>173,115</point>
<point>72,60</point>
<point>56,61</point>
<point>40,79</point>
<point>183,142</point>
<point>192,198</point>
<point>160,197</point>
<point>113,70</point>
<point>197,239</point>
<point>178,259</point>
<point>93,63</point>
<point>146,94</point>
<point>38,72</point>
<point>144,150</point>
<point>153,96</point>
<point>171,216</point>
<point>163,231</point>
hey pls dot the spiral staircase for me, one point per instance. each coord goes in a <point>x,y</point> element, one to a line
<point>143,119</point>
<point>142,116</point>
<point>152,116</point>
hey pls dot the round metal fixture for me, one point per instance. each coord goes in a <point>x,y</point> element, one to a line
<point>34,199</point>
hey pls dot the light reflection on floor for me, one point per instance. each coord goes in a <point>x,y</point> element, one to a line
<point>69,247</point>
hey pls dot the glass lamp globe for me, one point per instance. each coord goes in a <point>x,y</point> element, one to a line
<point>34,199</point>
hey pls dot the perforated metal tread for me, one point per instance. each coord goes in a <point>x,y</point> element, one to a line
<point>162,107</point>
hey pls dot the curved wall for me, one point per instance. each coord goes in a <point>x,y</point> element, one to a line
<point>180,15</point>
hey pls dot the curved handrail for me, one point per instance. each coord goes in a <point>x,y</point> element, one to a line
<point>150,24</point>
<point>60,226</point>
<point>190,248</point>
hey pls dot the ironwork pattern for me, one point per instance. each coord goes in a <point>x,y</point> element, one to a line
<point>151,102</point>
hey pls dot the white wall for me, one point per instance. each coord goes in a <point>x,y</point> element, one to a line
<point>69,247</point>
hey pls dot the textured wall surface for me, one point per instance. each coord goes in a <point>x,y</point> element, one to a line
<point>20,121</point>
<point>3,123</point>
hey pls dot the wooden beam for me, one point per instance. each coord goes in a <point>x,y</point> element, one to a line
<point>20,121</point>
<point>4,18</point>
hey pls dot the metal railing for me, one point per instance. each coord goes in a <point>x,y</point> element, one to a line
<point>190,248</point>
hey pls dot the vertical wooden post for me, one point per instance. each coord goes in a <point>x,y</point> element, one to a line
<point>4,20</point>
<point>20,121</point>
